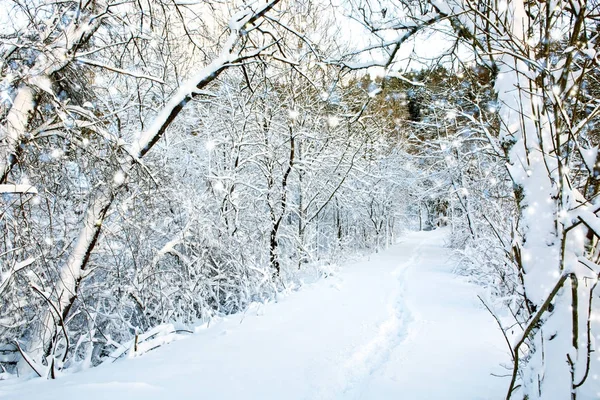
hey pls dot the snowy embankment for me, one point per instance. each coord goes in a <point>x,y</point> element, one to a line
<point>397,326</point>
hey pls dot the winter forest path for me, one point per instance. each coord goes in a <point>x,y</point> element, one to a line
<point>398,326</point>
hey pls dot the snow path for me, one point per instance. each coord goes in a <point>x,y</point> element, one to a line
<point>397,326</point>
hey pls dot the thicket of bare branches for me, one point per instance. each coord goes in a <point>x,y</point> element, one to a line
<point>165,161</point>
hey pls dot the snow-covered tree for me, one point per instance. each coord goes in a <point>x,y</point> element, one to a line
<point>540,55</point>
<point>52,52</point>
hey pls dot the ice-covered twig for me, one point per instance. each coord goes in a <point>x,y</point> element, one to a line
<point>119,70</point>
<point>18,189</point>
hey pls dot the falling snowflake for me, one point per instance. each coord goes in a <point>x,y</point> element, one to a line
<point>333,121</point>
<point>293,115</point>
<point>451,115</point>
<point>119,178</point>
<point>57,153</point>
<point>218,186</point>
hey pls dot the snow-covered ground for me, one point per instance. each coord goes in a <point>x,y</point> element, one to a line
<point>399,325</point>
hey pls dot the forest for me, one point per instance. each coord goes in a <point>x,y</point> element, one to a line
<point>167,163</point>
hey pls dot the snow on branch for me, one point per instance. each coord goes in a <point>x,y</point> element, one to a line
<point>21,189</point>
<point>201,79</point>
<point>5,276</point>
<point>73,270</point>
<point>396,44</point>
<point>119,70</point>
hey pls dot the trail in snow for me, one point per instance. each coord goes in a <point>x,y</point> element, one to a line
<point>397,326</point>
<point>367,360</point>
